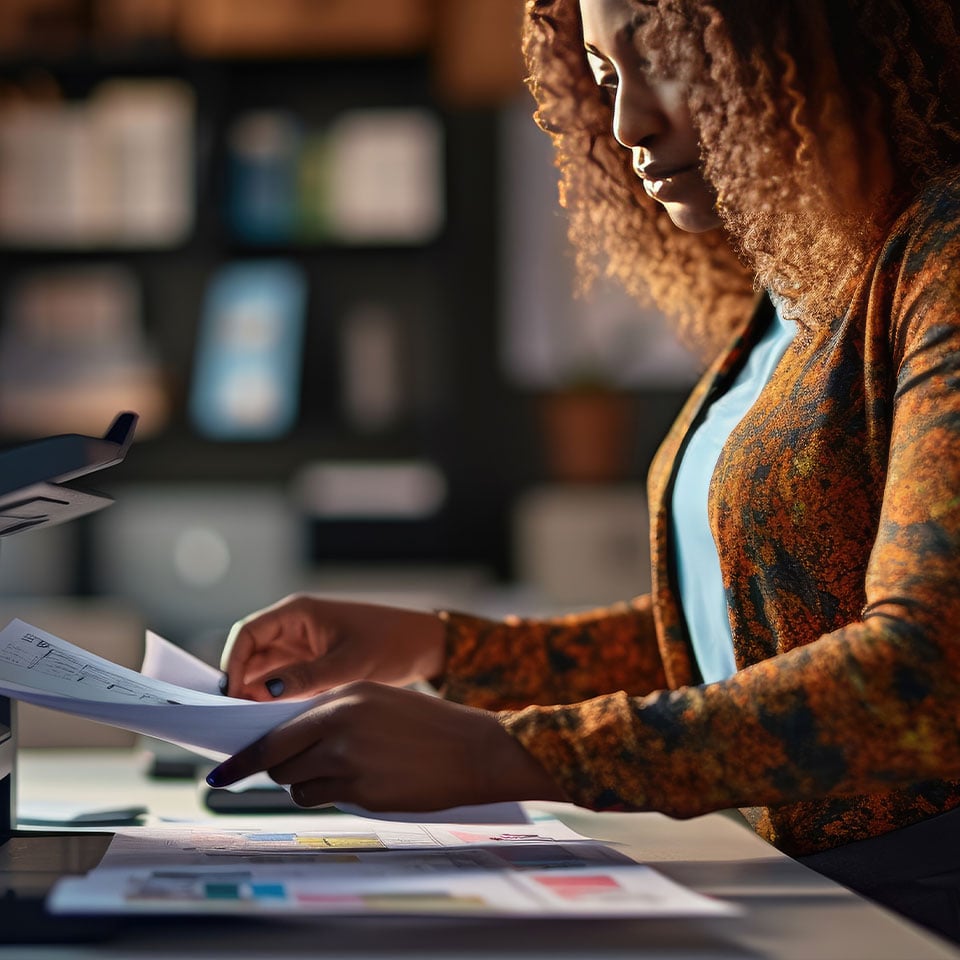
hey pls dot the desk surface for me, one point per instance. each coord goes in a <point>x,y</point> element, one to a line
<point>792,913</point>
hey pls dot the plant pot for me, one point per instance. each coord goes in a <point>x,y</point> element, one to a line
<point>589,435</point>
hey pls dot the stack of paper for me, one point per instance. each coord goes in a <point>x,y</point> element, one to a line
<point>349,866</point>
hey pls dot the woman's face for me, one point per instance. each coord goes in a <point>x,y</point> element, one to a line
<point>650,115</point>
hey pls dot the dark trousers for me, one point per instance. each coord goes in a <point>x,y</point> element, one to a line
<point>914,871</point>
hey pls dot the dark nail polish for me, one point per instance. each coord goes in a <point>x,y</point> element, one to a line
<point>274,687</point>
<point>224,683</point>
<point>213,777</point>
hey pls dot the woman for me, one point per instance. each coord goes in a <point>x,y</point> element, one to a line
<point>797,655</point>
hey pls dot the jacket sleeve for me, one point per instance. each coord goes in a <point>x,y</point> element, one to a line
<point>508,664</point>
<point>866,708</point>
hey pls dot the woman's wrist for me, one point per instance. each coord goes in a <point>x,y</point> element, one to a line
<point>517,774</point>
<point>434,659</point>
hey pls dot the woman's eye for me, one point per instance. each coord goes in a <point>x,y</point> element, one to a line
<point>609,86</point>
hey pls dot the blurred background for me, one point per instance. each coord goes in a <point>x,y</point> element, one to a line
<point>316,245</point>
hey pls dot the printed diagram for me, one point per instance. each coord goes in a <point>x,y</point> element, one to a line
<point>40,657</point>
<point>38,667</point>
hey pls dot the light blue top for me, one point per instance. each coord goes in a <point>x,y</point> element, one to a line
<point>698,565</point>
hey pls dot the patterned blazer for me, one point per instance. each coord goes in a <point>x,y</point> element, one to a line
<point>836,509</point>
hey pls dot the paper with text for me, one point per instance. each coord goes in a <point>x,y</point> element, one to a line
<point>350,866</point>
<point>40,668</point>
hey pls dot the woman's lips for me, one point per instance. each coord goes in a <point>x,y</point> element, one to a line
<point>665,185</point>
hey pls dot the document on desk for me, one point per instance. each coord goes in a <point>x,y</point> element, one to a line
<point>354,866</point>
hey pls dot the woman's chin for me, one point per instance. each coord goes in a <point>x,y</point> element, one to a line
<point>692,219</point>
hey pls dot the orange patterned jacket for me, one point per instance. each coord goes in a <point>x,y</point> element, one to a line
<point>836,508</point>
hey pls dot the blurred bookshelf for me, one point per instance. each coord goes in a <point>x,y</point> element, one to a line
<point>159,160</point>
<point>277,231</point>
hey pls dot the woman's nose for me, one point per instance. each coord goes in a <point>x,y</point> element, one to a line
<point>637,117</point>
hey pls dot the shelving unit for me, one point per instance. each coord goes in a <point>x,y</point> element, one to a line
<point>441,293</point>
<point>459,413</point>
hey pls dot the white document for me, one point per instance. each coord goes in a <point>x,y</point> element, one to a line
<point>350,866</point>
<point>41,668</point>
<point>417,890</point>
<point>290,839</point>
<point>163,660</point>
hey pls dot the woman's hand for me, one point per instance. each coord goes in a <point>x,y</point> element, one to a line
<point>386,748</point>
<point>304,645</point>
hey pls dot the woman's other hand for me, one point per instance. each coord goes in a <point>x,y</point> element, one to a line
<point>303,645</point>
<point>386,748</point>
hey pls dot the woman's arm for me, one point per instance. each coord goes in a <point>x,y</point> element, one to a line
<point>865,708</point>
<point>507,664</point>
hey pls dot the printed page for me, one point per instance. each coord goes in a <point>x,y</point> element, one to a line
<point>351,866</point>
<point>41,668</point>
<point>416,890</point>
<point>291,838</point>
<point>34,659</point>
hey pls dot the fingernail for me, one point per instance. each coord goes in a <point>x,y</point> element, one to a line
<point>215,778</point>
<point>224,683</point>
<point>274,687</point>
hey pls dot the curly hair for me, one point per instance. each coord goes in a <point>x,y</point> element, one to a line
<point>851,106</point>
